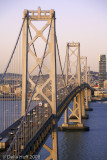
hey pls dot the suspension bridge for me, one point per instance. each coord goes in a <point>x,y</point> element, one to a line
<point>35,90</point>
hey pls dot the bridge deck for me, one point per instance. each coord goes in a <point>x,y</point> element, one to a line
<point>42,129</point>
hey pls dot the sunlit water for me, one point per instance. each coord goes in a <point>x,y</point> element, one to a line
<point>90,145</point>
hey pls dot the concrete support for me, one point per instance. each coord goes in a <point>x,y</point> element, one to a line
<point>66,116</point>
<point>75,105</point>
<point>55,144</point>
<point>86,98</point>
<point>89,95</point>
<point>84,115</point>
<point>82,103</point>
<point>54,151</point>
<point>24,63</point>
<point>86,101</point>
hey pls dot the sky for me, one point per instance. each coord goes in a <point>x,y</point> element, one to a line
<point>83,21</point>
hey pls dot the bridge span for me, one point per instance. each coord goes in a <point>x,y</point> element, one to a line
<point>35,80</point>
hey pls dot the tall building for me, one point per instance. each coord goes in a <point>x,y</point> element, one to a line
<point>102,70</point>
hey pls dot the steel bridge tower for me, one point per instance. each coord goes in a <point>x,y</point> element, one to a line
<point>89,82</point>
<point>84,96</point>
<point>49,16</point>
<point>75,115</point>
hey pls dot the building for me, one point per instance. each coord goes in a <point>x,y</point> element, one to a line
<point>105,84</point>
<point>102,70</point>
<point>98,93</point>
<point>5,88</point>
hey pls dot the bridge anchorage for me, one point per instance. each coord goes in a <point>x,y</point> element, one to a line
<point>76,77</point>
<point>43,90</point>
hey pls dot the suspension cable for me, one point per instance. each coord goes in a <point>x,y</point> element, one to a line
<point>13,49</point>
<point>60,61</point>
<point>13,142</point>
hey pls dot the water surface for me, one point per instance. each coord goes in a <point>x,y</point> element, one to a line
<point>90,145</point>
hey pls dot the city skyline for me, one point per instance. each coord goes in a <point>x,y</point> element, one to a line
<point>83,22</point>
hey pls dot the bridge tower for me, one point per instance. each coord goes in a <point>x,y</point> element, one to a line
<point>73,78</point>
<point>89,91</point>
<point>27,70</point>
<point>84,96</point>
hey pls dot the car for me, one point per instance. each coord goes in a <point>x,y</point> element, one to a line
<point>40,104</point>
<point>46,105</point>
<point>4,143</point>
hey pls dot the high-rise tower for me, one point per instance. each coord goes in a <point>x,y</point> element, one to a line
<point>102,70</point>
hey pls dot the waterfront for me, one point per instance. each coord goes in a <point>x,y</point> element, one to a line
<point>90,145</point>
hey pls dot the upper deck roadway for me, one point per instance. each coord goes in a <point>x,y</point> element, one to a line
<point>42,129</point>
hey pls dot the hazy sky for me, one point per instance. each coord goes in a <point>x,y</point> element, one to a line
<point>83,21</point>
